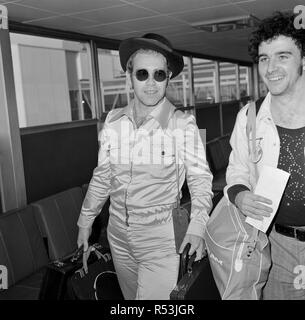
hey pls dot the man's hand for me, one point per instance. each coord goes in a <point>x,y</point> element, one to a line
<point>82,240</point>
<point>252,205</point>
<point>197,244</point>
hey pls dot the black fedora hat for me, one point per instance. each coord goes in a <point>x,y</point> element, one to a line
<point>153,42</point>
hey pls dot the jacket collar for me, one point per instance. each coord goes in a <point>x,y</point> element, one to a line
<point>162,113</point>
<point>126,111</point>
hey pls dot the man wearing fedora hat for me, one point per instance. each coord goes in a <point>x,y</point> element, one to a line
<point>146,149</point>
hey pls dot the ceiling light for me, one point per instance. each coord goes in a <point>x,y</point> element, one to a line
<point>227,24</point>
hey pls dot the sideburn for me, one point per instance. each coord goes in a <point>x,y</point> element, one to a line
<point>301,70</point>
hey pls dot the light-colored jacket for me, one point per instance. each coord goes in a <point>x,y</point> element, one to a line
<point>241,169</point>
<point>136,167</point>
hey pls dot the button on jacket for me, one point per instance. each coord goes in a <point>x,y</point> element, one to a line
<point>137,168</point>
<point>240,169</point>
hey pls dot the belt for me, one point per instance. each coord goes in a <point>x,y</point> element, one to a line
<point>293,232</point>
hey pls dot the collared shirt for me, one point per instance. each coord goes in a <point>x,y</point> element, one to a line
<point>137,168</point>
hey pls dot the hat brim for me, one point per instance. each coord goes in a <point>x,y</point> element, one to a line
<point>129,46</point>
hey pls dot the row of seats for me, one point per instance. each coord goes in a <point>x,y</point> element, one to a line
<point>33,236</point>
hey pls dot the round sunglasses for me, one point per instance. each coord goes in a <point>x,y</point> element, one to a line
<point>143,74</point>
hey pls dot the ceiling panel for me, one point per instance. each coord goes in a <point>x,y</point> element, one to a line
<point>63,22</point>
<point>6,1</point>
<point>240,1</point>
<point>126,35</point>
<point>263,8</point>
<point>115,14</point>
<point>202,15</point>
<point>152,23</point>
<point>181,29</point>
<point>195,37</point>
<point>102,30</point>
<point>70,6</point>
<point>21,13</point>
<point>168,6</point>
<point>133,1</point>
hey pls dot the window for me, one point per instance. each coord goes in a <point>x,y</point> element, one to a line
<point>178,90</point>
<point>52,79</point>
<point>115,92</point>
<point>244,84</point>
<point>227,81</point>
<point>204,81</point>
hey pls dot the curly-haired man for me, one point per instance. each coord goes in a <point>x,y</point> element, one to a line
<point>278,48</point>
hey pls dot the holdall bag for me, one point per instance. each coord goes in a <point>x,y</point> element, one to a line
<point>239,254</point>
<point>54,284</point>
<point>99,283</point>
<point>195,280</point>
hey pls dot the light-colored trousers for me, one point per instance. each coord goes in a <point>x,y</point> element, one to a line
<point>145,258</point>
<point>286,280</point>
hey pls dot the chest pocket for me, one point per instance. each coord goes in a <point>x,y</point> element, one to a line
<point>162,161</point>
<point>119,160</point>
<point>118,153</point>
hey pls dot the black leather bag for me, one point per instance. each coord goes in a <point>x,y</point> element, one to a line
<point>195,280</point>
<point>54,285</point>
<point>99,283</point>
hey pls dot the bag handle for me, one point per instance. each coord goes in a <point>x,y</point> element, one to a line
<point>77,254</point>
<point>186,261</point>
<point>184,258</point>
<point>93,248</point>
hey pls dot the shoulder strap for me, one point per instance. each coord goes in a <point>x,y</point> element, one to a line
<point>176,162</point>
<point>251,128</point>
<point>253,110</point>
<point>258,103</point>
<point>251,119</point>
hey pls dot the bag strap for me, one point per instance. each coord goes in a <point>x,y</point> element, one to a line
<point>251,136</point>
<point>176,156</point>
<point>251,133</point>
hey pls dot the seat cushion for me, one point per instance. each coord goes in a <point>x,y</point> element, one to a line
<point>57,217</point>
<point>22,248</point>
<point>26,289</point>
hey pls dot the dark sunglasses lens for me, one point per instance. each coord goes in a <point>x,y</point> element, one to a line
<point>142,74</point>
<point>160,75</point>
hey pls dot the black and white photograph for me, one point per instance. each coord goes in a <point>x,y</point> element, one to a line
<point>152,154</point>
